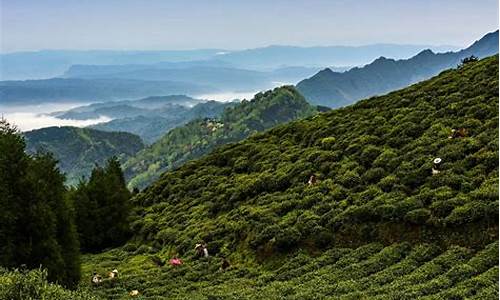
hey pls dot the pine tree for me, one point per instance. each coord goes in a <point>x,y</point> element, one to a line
<point>102,208</point>
<point>117,202</point>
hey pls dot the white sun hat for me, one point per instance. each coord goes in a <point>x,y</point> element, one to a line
<point>437,160</point>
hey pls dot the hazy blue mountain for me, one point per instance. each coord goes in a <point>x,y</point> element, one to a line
<point>152,102</point>
<point>64,90</point>
<point>155,105</point>
<point>52,63</point>
<point>104,70</point>
<point>219,76</point>
<point>383,75</point>
<point>279,56</point>
<point>79,149</point>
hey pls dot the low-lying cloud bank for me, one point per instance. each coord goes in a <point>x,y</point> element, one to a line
<point>34,117</point>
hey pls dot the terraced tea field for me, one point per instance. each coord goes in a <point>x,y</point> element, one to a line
<point>399,271</point>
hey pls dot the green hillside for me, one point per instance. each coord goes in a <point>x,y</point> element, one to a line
<point>376,225</point>
<point>79,149</point>
<point>200,136</point>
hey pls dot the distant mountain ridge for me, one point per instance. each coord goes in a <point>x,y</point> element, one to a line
<point>76,89</point>
<point>127,108</point>
<point>107,76</point>
<point>219,75</point>
<point>335,89</point>
<point>320,56</point>
<point>79,149</point>
<point>52,63</point>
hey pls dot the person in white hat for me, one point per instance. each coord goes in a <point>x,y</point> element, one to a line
<point>435,168</point>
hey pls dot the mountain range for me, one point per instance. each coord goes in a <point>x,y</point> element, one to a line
<point>336,89</point>
<point>212,71</point>
<point>53,63</point>
<point>219,77</point>
<point>90,90</point>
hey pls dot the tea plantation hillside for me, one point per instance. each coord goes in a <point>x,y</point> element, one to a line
<point>201,135</point>
<point>377,224</point>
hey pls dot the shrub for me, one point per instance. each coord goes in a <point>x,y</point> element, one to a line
<point>369,154</point>
<point>166,236</point>
<point>418,216</point>
<point>373,175</point>
<point>467,213</point>
<point>350,179</point>
<point>328,143</point>
<point>387,183</point>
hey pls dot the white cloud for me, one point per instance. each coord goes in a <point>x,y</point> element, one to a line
<point>37,116</point>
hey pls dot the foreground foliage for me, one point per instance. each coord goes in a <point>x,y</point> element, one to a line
<point>33,285</point>
<point>377,224</point>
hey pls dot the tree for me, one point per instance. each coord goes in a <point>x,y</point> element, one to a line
<point>49,187</point>
<point>467,60</point>
<point>36,221</point>
<point>102,207</point>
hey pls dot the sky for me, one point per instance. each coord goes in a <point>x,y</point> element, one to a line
<point>28,25</point>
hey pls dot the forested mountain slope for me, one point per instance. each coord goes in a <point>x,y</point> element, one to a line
<point>376,225</point>
<point>78,150</point>
<point>152,124</point>
<point>200,136</point>
<point>383,75</point>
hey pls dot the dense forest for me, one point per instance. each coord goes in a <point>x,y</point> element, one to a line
<point>200,136</point>
<point>78,150</point>
<point>36,219</point>
<point>393,197</point>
